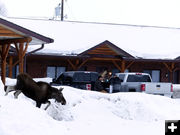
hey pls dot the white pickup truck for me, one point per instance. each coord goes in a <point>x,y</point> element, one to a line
<point>139,82</point>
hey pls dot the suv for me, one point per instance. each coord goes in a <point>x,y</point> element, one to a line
<point>77,79</point>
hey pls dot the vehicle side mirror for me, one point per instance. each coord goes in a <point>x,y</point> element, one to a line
<point>54,80</point>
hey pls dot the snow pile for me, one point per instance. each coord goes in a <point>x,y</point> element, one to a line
<point>176,90</point>
<point>128,106</point>
<point>1,88</point>
<point>88,112</point>
<point>11,82</point>
<point>176,87</point>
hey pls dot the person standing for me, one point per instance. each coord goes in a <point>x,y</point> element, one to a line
<point>115,84</point>
<point>98,85</point>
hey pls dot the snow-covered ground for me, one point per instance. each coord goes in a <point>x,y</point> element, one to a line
<point>88,113</point>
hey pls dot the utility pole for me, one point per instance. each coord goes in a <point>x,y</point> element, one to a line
<point>59,11</point>
<point>62,10</point>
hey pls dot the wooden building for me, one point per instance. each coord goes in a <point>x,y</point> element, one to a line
<point>103,43</point>
<point>104,56</point>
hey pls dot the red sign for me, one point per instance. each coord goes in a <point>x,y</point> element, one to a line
<point>88,86</point>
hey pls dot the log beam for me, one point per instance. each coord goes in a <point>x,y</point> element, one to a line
<point>116,65</point>
<point>171,69</point>
<point>72,65</point>
<point>123,66</point>
<point>77,64</point>
<point>129,65</point>
<point>81,64</point>
<point>16,40</point>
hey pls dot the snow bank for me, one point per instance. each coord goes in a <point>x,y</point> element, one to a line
<point>1,88</point>
<point>176,90</point>
<point>176,87</point>
<point>88,112</point>
<point>10,81</point>
<point>129,106</point>
<point>21,117</point>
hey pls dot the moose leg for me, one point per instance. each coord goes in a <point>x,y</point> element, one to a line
<point>48,104</point>
<point>16,94</point>
<point>38,104</point>
<point>9,89</point>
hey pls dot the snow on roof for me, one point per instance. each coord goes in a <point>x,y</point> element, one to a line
<point>76,37</point>
<point>19,31</point>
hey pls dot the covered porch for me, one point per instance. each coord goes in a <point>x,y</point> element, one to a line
<point>15,36</point>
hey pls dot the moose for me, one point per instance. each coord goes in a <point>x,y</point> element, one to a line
<point>40,91</point>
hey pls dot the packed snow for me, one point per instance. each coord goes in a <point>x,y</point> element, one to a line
<point>87,113</point>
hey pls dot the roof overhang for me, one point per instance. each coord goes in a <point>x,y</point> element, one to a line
<point>10,31</point>
<point>151,60</point>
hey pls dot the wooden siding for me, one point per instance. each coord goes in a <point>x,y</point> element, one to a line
<point>4,32</point>
<point>103,49</point>
<point>40,64</point>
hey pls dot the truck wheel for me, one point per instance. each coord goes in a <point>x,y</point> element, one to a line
<point>132,90</point>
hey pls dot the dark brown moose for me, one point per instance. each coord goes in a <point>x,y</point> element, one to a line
<point>40,92</point>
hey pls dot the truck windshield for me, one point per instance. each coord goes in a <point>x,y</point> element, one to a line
<point>138,78</point>
<point>85,77</point>
<point>81,77</point>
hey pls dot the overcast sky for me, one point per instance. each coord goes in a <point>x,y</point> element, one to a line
<point>138,12</point>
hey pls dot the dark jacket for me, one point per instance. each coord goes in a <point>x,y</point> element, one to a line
<point>98,86</point>
<point>115,80</point>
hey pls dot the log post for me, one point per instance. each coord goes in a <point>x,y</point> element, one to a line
<point>3,70</point>
<point>21,59</point>
<point>123,66</point>
<point>10,66</point>
<point>4,54</point>
<point>19,44</point>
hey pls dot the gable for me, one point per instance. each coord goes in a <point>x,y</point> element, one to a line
<point>105,48</point>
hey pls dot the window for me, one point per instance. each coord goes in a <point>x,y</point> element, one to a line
<point>15,71</point>
<point>155,74</point>
<point>138,78</point>
<point>54,72</point>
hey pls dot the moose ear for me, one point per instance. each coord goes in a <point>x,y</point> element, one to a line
<point>60,89</point>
